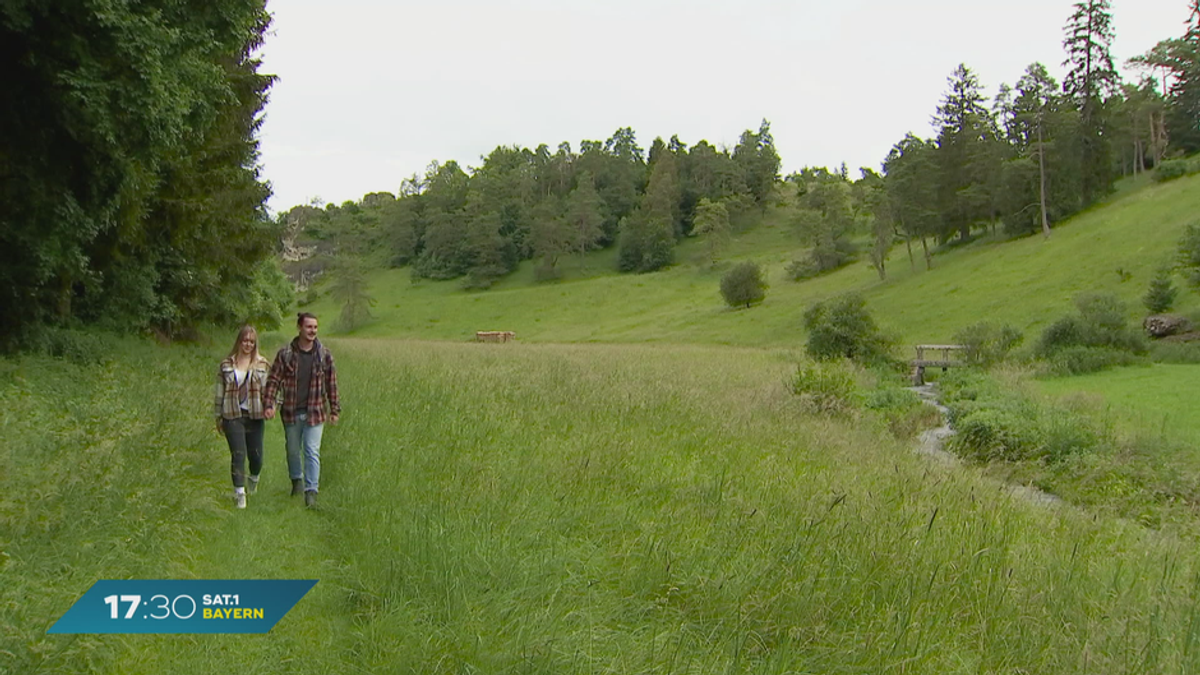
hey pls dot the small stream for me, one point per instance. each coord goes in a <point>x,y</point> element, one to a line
<point>932,443</point>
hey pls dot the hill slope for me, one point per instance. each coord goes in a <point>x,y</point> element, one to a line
<point>1027,283</point>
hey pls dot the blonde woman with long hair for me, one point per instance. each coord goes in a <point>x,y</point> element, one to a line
<point>238,407</point>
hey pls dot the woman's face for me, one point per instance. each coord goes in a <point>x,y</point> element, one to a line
<point>249,341</point>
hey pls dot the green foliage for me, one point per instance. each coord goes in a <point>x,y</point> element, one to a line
<point>647,240</point>
<point>1101,322</point>
<point>1170,169</point>
<point>1175,352</point>
<point>995,422</point>
<point>129,165</point>
<point>827,387</point>
<point>744,285</point>
<point>987,343</point>
<point>1160,296</point>
<point>825,221</point>
<point>1189,253</point>
<point>349,289</point>
<point>1079,360</point>
<point>712,221</point>
<point>843,328</point>
<point>902,410</point>
<point>1091,77</point>
<point>758,162</point>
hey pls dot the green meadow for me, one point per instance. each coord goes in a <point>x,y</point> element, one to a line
<point>630,487</point>
<point>559,509</point>
<point>1159,400</point>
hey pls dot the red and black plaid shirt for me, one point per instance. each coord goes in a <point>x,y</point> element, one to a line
<point>322,386</point>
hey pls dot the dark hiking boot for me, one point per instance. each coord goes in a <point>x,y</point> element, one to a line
<point>310,498</point>
<point>297,486</point>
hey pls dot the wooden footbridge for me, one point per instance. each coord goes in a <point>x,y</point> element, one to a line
<point>936,356</point>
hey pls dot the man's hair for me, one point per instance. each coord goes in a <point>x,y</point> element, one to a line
<point>304,315</point>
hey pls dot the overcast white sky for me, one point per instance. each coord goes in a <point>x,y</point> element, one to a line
<point>370,91</point>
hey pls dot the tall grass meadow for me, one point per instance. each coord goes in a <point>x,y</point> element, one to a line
<point>563,509</point>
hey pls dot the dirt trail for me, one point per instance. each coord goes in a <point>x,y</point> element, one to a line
<point>932,443</point>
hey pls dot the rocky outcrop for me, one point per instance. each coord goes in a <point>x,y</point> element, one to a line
<point>1164,325</point>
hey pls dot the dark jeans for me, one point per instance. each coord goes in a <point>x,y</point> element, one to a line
<point>245,437</point>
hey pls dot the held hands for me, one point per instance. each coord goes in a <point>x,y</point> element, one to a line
<point>333,419</point>
<point>269,413</point>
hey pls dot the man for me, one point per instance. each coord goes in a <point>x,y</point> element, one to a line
<point>304,369</point>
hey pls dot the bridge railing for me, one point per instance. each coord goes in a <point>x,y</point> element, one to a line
<point>936,356</point>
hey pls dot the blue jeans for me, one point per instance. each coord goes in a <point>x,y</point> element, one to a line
<point>299,434</point>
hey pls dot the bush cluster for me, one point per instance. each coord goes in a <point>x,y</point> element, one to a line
<point>1096,337</point>
<point>822,258</point>
<point>82,347</point>
<point>988,344</point>
<point>826,387</point>
<point>843,328</point>
<point>902,411</point>
<point>997,423</point>
<point>1176,168</point>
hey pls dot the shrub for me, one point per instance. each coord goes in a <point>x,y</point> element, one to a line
<point>1189,253</point>
<point>77,346</point>
<point>1079,360</point>
<point>991,434</point>
<point>987,344</point>
<point>824,257</point>
<point>842,328</point>
<point>743,285</point>
<point>1160,296</point>
<point>1174,168</point>
<point>903,411</point>
<point>1175,352</point>
<point>1100,322</point>
<point>826,387</point>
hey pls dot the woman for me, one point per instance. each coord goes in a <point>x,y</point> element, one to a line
<point>241,378</point>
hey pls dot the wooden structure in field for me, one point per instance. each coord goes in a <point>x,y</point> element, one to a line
<point>936,356</point>
<point>495,336</point>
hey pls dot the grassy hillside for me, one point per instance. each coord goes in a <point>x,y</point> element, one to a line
<point>1026,283</point>
<point>560,509</point>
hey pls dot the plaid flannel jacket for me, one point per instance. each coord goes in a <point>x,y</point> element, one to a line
<point>227,403</point>
<point>322,386</point>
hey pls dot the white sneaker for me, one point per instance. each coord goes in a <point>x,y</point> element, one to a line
<point>240,499</point>
<point>252,485</point>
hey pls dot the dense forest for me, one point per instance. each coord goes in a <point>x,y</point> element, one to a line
<point>131,195</point>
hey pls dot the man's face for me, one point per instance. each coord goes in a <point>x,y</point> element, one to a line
<point>308,329</point>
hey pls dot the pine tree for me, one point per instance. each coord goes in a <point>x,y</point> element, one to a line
<point>964,127</point>
<point>1091,78</point>
<point>1160,296</point>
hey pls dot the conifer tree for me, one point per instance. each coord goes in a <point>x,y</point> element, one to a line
<point>1091,78</point>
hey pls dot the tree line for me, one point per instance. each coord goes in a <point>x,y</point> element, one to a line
<point>129,190</point>
<point>544,205</point>
<point>1037,153</point>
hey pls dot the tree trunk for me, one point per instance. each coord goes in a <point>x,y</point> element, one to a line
<point>1042,181</point>
<point>928,257</point>
<point>908,243</point>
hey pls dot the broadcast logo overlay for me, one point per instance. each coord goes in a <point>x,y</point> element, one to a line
<point>174,606</point>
